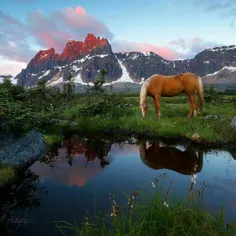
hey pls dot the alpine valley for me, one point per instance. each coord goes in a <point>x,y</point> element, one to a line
<point>126,71</point>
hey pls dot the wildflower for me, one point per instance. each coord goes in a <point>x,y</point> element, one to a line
<point>129,200</point>
<point>85,221</point>
<point>193,178</point>
<point>135,193</point>
<point>195,167</point>
<point>199,192</point>
<point>114,207</point>
<point>154,182</point>
<point>115,210</point>
<point>164,175</point>
<point>204,185</point>
<point>165,204</point>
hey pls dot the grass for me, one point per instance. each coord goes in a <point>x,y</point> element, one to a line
<point>173,123</point>
<point>7,175</point>
<point>52,139</point>
<point>154,214</point>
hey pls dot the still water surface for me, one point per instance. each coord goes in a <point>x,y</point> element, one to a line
<point>64,184</point>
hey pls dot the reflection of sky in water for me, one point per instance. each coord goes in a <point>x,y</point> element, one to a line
<point>72,189</point>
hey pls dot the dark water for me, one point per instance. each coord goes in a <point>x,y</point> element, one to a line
<point>65,183</point>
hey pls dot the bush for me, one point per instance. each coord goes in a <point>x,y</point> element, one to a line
<point>109,105</point>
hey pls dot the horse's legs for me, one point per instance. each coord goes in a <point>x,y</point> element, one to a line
<point>190,107</point>
<point>194,103</point>
<point>157,102</point>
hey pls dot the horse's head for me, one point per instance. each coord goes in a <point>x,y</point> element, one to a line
<point>144,109</point>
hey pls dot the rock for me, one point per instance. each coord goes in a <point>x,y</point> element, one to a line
<point>217,116</point>
<point>65,122</point>
<point>233,123</point>
<point>22,150</point>
<point>196,137</point>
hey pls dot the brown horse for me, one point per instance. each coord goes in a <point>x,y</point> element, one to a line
<point>171,158</point>
<point>169,86</point>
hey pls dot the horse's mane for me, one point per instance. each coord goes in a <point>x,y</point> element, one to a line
<point>143,92</point>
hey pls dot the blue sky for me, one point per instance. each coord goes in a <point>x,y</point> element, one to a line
<point>174,29</point>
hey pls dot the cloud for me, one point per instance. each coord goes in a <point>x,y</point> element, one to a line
<point>10,67</point>
<point>125,46</point>
<point>189,48</point>
<point>46,31</point>
<point>176,49</point>
<point>226,9</point>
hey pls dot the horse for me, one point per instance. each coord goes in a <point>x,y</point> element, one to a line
<point>168,86</point>
<point>159,157</point>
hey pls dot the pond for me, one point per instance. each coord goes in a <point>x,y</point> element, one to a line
<point>67,182</point>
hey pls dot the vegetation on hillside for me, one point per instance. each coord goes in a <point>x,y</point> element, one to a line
<point>42,107</point>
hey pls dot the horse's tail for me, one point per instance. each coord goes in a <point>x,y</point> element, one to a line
<point>200,95</point>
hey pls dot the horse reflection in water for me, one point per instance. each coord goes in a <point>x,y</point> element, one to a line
<point>171,158</point>
<point>92,148</point>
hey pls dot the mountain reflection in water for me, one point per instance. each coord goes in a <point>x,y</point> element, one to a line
<point>86,157</point>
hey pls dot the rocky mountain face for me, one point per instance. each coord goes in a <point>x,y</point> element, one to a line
<point>85,59</point>
<point>222,79</point>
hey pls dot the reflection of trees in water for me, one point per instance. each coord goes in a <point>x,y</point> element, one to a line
<point>92,148</point>
<point>161,157</point>
<point>25,194</point>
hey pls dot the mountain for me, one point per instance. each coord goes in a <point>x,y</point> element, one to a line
<point>222,79</point>
<point>85,59</point>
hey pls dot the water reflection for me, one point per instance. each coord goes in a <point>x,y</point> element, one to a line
<point>91,148</point>
<point>86,158</point>
<point>84,169</point>
<point>158,156</point>
<point>25,194</point>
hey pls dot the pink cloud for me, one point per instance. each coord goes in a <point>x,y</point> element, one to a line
<point>190,47</point>
<point>78,18</point>
<point>47,31</point>
<point>11,67</point>
<point>163,51</point>
<point>80,11</point>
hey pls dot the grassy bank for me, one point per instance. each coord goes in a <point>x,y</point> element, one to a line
<point>7,175</point>
<point>173,124</point>
<point>41,108</point>
<point>153,214</point>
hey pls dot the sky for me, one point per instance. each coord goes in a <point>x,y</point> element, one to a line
<point>173,29</point>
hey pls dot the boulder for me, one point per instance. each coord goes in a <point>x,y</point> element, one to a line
<point>233,122</point>
<point>196,137</point>
<point>19,151</point>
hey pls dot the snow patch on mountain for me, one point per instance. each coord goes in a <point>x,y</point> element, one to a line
<point>147,54</point>
<point>45,74</point>
<point>55,81</point>
<point>224,48</point>
<point>124,78</point>
<point>229,68</point>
